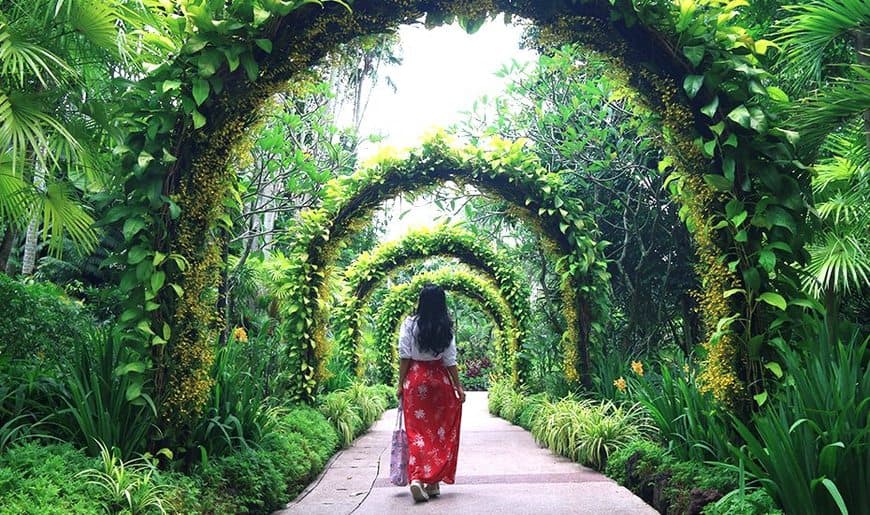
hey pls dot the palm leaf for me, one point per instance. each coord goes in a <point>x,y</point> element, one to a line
<point>22,60</point>
<point>828,109</point>
<point>64,215</point>
<point>26,129</point>
<point>839,263</point>
<point>813,28</point>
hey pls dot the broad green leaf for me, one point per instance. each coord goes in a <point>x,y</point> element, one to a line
<point>774,299</point>
<point>710,109</point>
<point>718,182</point>
<point>694,54</point>
<point>774,367</point>
<point>761,398</point>
<point>131,227</point>
<point>741,116</point>
<point>265,44</point>
<point>198,119</point>
<point>767,260</point>
<point>200,91</point>
<point>692,84</point>
<point>126,368</point>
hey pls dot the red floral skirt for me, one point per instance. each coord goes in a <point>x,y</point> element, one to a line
<point>432,414</point>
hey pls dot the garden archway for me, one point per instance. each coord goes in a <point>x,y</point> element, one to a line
<point>402,298</point>
<point>704,74</point>
<point>506,170</point>
<point>371,268</point>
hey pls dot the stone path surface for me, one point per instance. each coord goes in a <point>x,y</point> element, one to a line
<point>501,471</point>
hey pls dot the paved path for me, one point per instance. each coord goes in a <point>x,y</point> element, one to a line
<point>501,471</point>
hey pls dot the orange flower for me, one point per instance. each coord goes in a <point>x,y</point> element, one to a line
<point>637,367</point>
<point>620,384</point>
<point>240,335</point>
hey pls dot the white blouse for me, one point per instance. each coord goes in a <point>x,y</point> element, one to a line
<point>408,348</point>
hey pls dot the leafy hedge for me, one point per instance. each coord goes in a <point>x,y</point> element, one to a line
<point>370,268</point>
<point>672,486</point>
<point>402,298</point>
<point>39,320</point>
<point>45,479</point>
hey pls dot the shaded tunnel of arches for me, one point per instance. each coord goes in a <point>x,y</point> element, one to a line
<point>370,269</point>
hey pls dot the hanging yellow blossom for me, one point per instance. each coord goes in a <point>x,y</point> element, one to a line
<point>620,384</point>
<point>240,335</point>
<point>637,367</point>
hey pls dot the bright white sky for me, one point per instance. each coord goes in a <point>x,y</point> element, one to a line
<point>444,70</point>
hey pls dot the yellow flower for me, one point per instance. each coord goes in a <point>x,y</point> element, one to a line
<point>637,367</point>
<point>240,335</point>
<point>620,384</point>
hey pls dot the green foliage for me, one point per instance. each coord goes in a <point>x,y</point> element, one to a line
<point>690,422</point>
<point>669,485</point>
<point>238,413</point>
<point>319,435</point>
<point>36,479</point>
<point>530,410</point>
<point>809,447</point>
<point>105,404</point>
<point>127,485</point>
<point>250,478</point>
<point>353,410</point>
<point>757,502</point>
<point>39,323</point>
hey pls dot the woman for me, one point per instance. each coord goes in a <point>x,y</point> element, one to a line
<point>430,394</point>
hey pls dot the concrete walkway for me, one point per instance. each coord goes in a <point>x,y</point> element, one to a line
<point>501,471</point>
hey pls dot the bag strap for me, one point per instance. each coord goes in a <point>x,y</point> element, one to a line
<point>399,417</point>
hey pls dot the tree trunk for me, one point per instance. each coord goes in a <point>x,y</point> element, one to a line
<point>9,238</point>
<point>28,262</point>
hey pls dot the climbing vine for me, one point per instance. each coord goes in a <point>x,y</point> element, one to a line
<point>687,59</point>
<point>370,268</point>
<point>505,169</point>
<point>402,299</point>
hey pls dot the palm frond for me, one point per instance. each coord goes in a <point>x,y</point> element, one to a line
<point>813,27</point>
<point>64,215</point>
<point>26,129</point>
<point>839,263</point>
<point>16,196</point>
<point>22,60</point>
<point>831,108</point>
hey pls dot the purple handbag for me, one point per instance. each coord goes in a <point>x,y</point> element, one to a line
<point>399,453</point>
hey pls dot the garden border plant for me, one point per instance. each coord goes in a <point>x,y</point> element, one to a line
<point>735,169</point>
<point>401,300</point>
<point>371,268</point>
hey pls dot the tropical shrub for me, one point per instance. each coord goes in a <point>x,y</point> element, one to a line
<point>587,431</point>
<point>756,502</point>
<point>530,410</point>
<point>249,478</point>
<point>127,486</point>
<point>105,404</point>
<point>238,413</point>
<point>809,448</point>
<point>40,323</point>
<point>353,410</point>
<point>316,430</point>
<point>666,483</point>
<point>41,479</point>
<point>689,421</point>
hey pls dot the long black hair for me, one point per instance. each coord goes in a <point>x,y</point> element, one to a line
<point>434,326</point>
